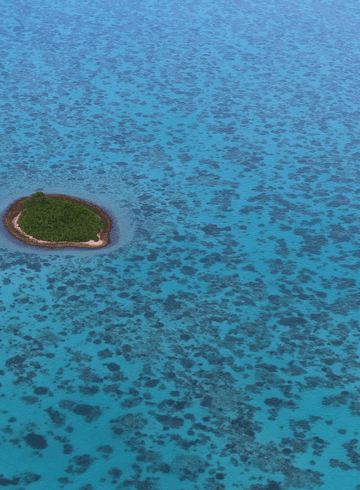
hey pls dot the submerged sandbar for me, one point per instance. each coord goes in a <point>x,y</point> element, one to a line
<point>13,213</point>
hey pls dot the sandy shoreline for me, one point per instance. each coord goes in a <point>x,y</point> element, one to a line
<point>13,213</point>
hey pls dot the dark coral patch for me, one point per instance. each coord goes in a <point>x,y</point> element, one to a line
<point>35,441</point>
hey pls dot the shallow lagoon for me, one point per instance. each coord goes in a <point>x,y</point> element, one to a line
<point>215,343</point>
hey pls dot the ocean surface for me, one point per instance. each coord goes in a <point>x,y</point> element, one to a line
<point>214,344</point>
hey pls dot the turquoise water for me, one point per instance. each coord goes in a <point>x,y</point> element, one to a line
<point>214,344</point>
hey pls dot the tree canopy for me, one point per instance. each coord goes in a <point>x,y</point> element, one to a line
<point>35,198</point>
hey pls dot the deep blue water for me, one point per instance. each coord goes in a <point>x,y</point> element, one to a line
<point>214,344</point>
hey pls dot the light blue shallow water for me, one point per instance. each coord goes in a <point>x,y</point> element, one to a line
<point>214,344</point>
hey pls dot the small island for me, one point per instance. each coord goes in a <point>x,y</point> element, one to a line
<point>58,221</point>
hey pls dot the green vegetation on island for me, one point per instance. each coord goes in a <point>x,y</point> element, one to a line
<point>59,220</point>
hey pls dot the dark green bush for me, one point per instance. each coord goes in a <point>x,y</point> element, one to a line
<point>26,203</point>
<point>38,197</point>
